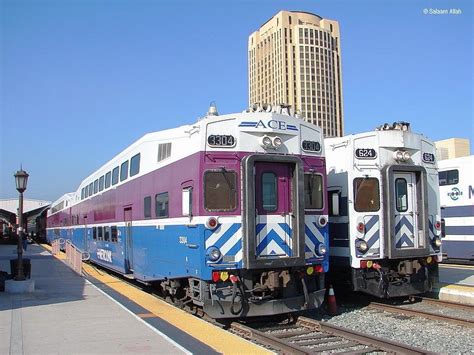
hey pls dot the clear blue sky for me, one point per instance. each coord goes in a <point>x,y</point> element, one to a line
<point>81,80</point>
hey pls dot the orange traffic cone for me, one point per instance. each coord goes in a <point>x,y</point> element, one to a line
<point>331,301</point>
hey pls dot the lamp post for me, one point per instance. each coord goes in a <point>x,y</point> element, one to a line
<point>21,179</point>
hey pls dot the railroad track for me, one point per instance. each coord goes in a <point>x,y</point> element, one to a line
<point>308,336</point>
<point>425,314</point>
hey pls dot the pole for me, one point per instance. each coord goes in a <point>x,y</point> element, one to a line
<point>20,274</point>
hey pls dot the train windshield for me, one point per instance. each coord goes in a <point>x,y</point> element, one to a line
<point>219,190</point>
<point>313,191</point>
<point>366,195</point>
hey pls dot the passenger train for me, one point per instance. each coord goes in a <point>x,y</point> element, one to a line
<point>384,212</point>
<point>228,214</point>
<point>456,187</point>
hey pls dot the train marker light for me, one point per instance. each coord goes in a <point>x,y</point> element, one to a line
<point>322,221</point>
<point>438,225</point>
<point>215,276</point>
<point>363,264</point>
<point>361,245</point>
<point>224,275</point>
<point>360,227</point>
<point>309,270</point>
<point>370,263</point>
<point>212,222</point>
<point>234,279</point>
<point>429,260</point>
<point>319,268</point>
<point>376,266</point>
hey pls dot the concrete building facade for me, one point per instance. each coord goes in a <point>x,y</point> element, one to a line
<point>295,59</point>
<point>453,148</point>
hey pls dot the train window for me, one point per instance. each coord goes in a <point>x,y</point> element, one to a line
<point>313,191</point>
<point>96,186</point>
<point>115,175</point>
<point>401,195</point>
<point>101,183</point>
<point>164,151</point>
<point>161,205</point>
<point>124,171</point>
<point>99,233</point>
<point>94,233</point>
<point>220,190</point>
<point>106,233</point>
<point>448,177</point>
<point>107,179</point>
<point>147,206</point>
<point>366,195</point>
<point>91,189</point>
<point>114,234</point>
<point>82,194</point>
<point>135,165</point>
<point>269,191</point>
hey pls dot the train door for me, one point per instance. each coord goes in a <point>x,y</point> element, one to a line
<point>406,215</point>
<point>127,215</point>
<point>274,212</point>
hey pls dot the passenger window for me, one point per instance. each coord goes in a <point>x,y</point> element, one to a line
<point>115,175</point>
<point>147,207</point>
<point>106,233</point>
<point>114,234</point>
<point>161,205</point>
<point>135,165</point>
<point>99,233</point>
<point>220,190</point>
<point>107,179</point>
<point>401,195</point>
<point>313,191</point>
<point>124,171</point>
<point>366,195</point>
<point>101,183</point>
<point>91,189</point>
<point>94,233</point>
<point>269,192</point>
<point>96,186</point>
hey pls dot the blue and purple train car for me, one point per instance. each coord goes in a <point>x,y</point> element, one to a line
<point>228,214</point>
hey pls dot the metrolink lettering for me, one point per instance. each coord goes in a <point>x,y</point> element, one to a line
<point>105,255</point>
<point>471,191</point>
<point>272,124</point>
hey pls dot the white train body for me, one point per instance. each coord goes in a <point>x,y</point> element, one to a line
<point>456,188</point>
<point>385,223</point>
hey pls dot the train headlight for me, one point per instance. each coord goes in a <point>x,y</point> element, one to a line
<point>406,156</point>
<point>321,250</point>
<point>401,155</point>
<point>266,142</point>
<point>437,242</point>
<point>212,222</point>
<point>277,142</point>
<point>361,245</point>
<point>213,253</point>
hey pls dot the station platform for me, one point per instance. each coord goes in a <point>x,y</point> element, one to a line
<point>97,313</point>
<point>456,284</point>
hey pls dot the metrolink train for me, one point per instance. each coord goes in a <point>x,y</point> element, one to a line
<point>384,212</point>
<point>456,187</point>
<point>228,214</point>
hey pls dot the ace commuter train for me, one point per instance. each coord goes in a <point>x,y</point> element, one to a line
<point>228,214</point>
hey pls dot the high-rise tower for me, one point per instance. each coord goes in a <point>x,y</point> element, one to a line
<point>295,58</point>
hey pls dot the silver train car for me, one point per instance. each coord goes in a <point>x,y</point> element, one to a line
<point>384,211</point>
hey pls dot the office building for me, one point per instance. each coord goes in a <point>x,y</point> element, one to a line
<point>452,148</point>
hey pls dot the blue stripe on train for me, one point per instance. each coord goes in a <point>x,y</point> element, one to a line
<point>457,211</point>
<point>459,230</point>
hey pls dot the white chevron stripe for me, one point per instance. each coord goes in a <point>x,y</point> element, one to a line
<point>217,235</point>
<point>316,232</point>
<point>231,242</point>
<point>402,231</point>
<point>286,236</point>
<point>309,244</point>
<point>272,246</point>
<point>238,256</point>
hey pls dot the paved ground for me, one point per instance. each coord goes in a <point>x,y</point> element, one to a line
<point>456,274</point>
<point>67,315</point>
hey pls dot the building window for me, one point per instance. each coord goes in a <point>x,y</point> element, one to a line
<point>124,171</point>
<point>220,190</point>
<point>135,165</point>
<point>366,195</point>
<point>161,205</point>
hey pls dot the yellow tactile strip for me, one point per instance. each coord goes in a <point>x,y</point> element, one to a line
<point>216,338</point>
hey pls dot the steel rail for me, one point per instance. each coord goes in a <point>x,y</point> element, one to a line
<point>464,307</point>
<point>418,313</point>
<point>365,339</point>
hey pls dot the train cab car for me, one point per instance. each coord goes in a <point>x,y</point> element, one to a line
<point>384,215</point>
<point>228,214</point>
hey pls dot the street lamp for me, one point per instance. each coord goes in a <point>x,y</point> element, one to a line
<point>21,179</point>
